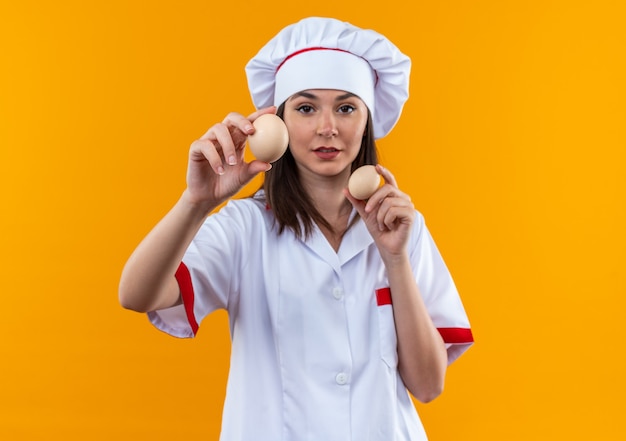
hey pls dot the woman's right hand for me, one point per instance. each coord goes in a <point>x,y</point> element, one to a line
<point>216,169</point>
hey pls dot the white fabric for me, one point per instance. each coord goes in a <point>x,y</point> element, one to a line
<point>309,70</point>
<point>313,357</point>
<point>390,67</point>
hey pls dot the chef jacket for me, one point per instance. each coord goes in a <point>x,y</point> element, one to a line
<point>313,353</point>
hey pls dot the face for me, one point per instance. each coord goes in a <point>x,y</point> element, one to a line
<point>326,128</point>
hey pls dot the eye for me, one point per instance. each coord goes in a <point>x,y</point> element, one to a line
<point>305,108</point>
<point>346,108</point>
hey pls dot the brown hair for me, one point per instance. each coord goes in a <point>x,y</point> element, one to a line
<point>286,196</point>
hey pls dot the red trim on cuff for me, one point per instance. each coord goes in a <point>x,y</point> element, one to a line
<point>383,296</point>
<point>456,335</point>
<point>183,277</point>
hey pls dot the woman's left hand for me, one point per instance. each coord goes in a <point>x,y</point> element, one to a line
<point>388,215</point>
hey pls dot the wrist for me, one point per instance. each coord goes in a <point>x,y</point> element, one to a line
<point>396,260</point>
<point>197,209</point>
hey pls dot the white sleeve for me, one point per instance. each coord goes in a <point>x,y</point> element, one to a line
<point>207,275</point>
<point>439,292</point>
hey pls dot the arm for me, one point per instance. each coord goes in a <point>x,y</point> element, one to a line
<point>216,171</point>
<point>422,357</point>
<point>147,281</point>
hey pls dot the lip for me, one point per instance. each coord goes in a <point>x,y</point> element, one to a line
<point>326,153</point>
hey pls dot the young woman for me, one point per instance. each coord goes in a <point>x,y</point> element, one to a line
<point>337,306</point>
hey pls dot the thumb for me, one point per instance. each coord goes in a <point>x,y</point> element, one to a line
<point>359,205</point>
<point>254,168</point>
<point>369,217</point>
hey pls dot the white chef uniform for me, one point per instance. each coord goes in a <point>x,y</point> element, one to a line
<point>313,338</point>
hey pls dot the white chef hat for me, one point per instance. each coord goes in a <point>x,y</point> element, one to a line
<point>325,53</point>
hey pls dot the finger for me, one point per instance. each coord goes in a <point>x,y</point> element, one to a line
<point>390,208</point>
<point>254,115</point>
<point>239,122</point>
<point>387,175</point>
<point>224,138</point>
<point>204,148</point>
<point>235,124</point>
<point>241,127</point>
<point>384,192</point>
<point>395,216</point>
<point>244,124</point>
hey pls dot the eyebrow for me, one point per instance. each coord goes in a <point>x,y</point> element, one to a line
<point>312,96</point>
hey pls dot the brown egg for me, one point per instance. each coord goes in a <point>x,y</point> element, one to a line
<point>363,182</point>
<point>270,138</point>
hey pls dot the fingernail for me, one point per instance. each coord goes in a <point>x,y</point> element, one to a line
<point>220,170</point>
<point>232,160</point>
<point>249,128</point>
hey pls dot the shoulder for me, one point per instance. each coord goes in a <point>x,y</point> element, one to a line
<point>247,213</point>
<point>420,235</point>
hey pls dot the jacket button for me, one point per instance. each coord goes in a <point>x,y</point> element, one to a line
<point>341,378</point>
<point>338,293</point>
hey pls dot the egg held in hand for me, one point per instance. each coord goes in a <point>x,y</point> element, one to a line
<point>364,181</point>
<point>270,138</point>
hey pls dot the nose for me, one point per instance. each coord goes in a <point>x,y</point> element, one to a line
<point>326,125</point>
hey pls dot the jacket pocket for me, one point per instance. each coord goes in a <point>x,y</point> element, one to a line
<point>388,341</point>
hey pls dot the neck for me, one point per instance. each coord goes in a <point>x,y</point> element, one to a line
<point>327,196</point>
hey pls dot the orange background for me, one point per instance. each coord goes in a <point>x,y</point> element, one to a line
<point>513,145</point>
